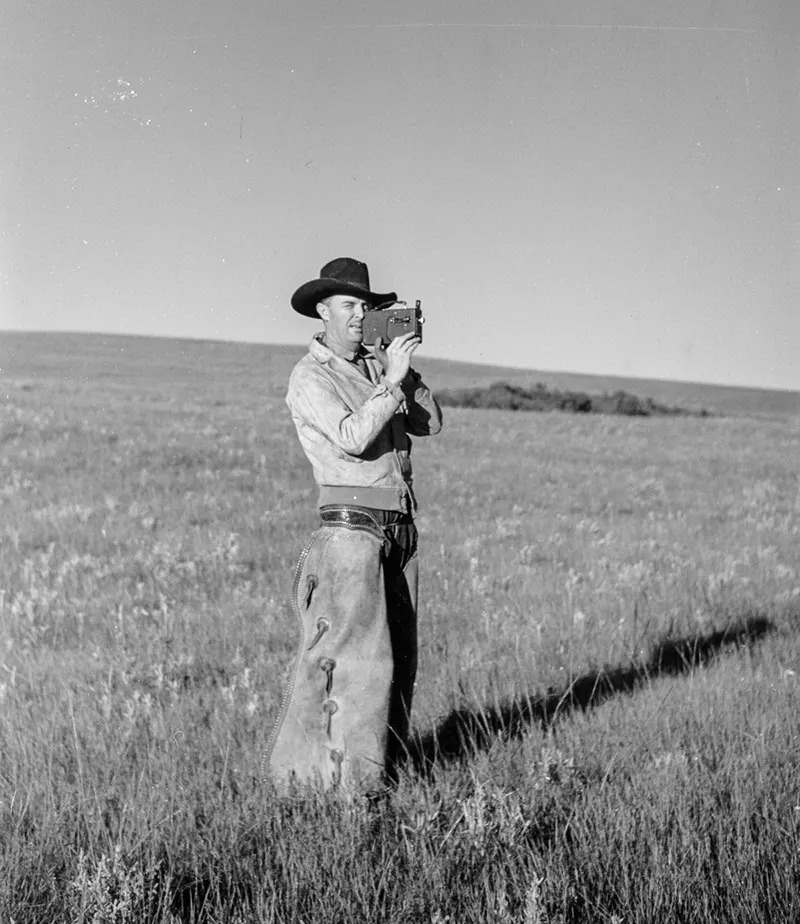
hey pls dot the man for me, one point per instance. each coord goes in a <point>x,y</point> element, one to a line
<point>345,713</point>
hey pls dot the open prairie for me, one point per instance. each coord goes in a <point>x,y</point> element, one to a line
<point>607,717</point>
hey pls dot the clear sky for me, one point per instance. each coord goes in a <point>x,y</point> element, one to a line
<point>604,187</point>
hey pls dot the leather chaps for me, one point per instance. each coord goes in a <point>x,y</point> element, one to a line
<point>344,716</point>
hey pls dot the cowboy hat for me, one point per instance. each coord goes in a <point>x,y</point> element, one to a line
<point>342,276</point>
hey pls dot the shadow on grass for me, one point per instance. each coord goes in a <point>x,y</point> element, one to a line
<point>464,732</point>
<point>469,730</point>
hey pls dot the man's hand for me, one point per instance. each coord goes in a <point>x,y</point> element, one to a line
<point>396,358</point>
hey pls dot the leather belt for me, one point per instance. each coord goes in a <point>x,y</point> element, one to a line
<point>396,498</point>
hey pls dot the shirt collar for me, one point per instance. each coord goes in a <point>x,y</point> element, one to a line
<point>323,353</point>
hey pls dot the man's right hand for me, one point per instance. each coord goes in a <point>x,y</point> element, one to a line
<point>396,358</point>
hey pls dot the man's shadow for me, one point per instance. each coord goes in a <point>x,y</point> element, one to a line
<point>469,730</point>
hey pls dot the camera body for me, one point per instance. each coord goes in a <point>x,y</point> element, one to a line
<point>390,320</point>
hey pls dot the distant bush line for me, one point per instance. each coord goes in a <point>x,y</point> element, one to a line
<point>502,396</point>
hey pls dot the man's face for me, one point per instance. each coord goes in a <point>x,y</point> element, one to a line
<point>343,316</point>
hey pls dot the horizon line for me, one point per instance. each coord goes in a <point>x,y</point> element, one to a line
<point>442,359</point>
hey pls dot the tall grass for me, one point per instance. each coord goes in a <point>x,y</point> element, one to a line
<point>568,767</point>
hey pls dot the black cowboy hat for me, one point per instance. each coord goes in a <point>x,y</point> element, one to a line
<point>342,276</point>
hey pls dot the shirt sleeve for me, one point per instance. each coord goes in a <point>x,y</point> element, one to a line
<point>423,414</point>
<point>315,401</point>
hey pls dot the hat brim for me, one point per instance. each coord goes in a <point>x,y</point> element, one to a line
<point>305,299</point>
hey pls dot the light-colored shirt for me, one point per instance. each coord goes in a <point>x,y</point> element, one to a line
<point>355,429</point>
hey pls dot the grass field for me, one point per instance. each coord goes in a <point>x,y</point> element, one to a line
<point>608,708</point>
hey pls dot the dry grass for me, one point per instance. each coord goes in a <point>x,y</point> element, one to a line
<point>153,501</point>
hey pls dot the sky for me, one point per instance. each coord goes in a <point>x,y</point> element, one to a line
<point>604,186</point>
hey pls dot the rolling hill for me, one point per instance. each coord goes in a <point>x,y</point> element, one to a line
<point>67,356</point>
